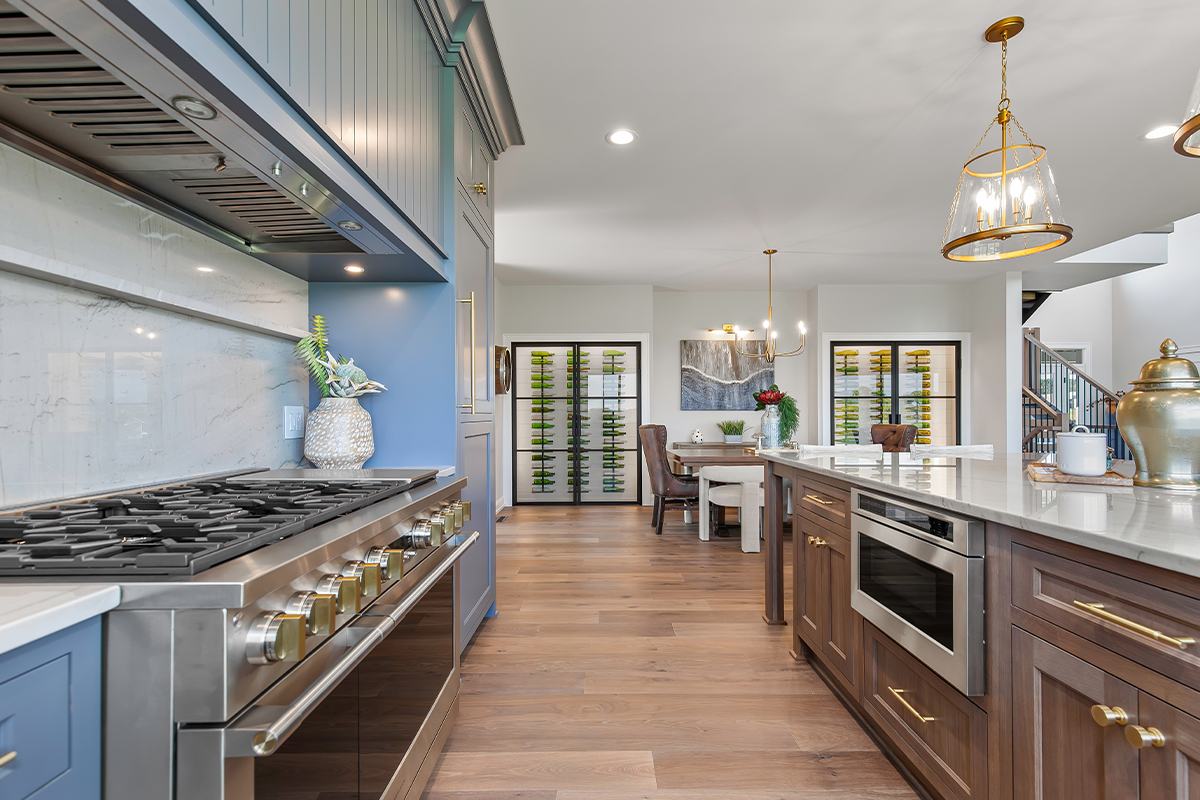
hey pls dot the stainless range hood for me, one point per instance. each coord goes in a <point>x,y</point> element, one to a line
<point>81,90</point>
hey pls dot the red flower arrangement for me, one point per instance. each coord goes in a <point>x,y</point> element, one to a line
<point>769,397</point>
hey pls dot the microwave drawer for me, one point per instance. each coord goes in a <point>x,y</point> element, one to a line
<point>823,502</point>
<point>1151,626</point>
<point>941,732</point>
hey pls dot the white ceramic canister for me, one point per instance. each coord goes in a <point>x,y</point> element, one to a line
<point>1082,452</point>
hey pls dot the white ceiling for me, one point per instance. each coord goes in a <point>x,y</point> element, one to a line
<point>832,131</point>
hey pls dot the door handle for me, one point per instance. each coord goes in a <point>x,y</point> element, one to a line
<point>471,302</point>
<point>480,188</point>
<point>817,541</point>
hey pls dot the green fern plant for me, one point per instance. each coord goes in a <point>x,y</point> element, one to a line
<point>312,350</point>
<point>789,417</point>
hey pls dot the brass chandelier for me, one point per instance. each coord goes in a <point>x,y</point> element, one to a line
<point>1006,204</point>
<point>770,335</point>
<point>1187,137</point>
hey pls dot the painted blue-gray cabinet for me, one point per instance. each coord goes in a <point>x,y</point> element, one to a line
<point>369,74</point>
<point>50,717</point>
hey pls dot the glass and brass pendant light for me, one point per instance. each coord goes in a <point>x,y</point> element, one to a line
<point>1006,204</point>
<point>1187,136</point>
<point>770,336</point>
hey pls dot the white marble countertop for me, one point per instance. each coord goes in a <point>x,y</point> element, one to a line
<point>1153,526</point>
<point>29,612</point>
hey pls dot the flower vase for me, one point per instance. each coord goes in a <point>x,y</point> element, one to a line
<point>770,428</point>
<point>338,434</point>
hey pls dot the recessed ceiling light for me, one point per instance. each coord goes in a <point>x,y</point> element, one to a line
<point>355,268</point>
<point>137,330</point>
<point>350,225</point>
<point>194,107</point>
<point>1162,131</point>
<point>204,269</point>
<point>152,335</point>
<point>620,136</point>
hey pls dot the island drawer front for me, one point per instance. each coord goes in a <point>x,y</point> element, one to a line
<point>818,500</point>
<point>1131,615</point>
<point>942,732</point>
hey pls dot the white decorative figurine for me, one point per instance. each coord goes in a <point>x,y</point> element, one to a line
<point>697,436</point>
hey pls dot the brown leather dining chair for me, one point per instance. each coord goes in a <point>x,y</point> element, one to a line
<point>668,488</point>
<point>894,438</point>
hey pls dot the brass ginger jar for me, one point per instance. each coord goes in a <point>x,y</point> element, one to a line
<point>1160,420</point>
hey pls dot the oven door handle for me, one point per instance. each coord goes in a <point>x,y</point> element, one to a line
<point>252,735</point>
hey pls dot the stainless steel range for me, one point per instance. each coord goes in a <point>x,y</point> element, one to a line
<point>280,635</point>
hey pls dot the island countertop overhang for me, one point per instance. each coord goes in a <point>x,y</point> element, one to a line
<point>1152,526</point>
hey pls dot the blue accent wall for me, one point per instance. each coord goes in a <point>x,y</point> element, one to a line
<point>402,334</point>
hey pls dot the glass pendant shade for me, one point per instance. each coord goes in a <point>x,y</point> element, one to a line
<point>1187,138</point>
<point>1006,204</point>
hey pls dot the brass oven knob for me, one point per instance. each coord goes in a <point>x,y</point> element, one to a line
<point>275,636</point>
<point>454,514</point>
<point>345,589</point>
<point>368,575</point>
<point>390,561</point>
<point>319,609</point>
<point>466,509</point>
<point>427,533</point>
<point>447,517</point>
<point>1105,716</point>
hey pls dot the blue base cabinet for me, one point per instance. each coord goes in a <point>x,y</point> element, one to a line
<point>50,717</point>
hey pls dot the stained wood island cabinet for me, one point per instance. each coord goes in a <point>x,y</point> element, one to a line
<point>1092,661</point>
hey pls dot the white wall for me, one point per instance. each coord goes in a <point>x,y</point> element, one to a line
<point>90,400</point>
<point>1082,316</point>
<point>994,304</point>
<point>1158,303</point>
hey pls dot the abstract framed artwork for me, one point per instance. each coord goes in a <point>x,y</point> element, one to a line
<point>715,377</point>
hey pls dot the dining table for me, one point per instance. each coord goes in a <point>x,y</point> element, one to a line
<point>685,458</point>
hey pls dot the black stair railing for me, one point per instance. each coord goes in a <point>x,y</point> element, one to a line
<point>1058,396</point>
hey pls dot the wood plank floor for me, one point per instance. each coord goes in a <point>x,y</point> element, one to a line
<point>628,666</point>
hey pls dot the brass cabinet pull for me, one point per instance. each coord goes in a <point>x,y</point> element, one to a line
<point>1105,716</point>
<point>471,405</point>
<point>820,500</point>
<point>480,188</point>
<point>1141,737</point>
<point>8,758</point>
<point>817,541</point>
<point>897,694</point>
<point>1098,609</point>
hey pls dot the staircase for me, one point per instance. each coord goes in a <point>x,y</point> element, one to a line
<point>1056,396</point>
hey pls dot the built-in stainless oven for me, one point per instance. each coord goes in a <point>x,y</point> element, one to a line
<point>917,575</point>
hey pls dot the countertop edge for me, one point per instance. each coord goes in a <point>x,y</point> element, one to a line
<point>75,603</point>
<point>1134,551</point>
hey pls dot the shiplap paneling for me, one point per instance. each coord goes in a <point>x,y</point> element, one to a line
<point>368,73</point>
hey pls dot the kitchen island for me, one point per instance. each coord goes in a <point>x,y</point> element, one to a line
<point>1088,609</point>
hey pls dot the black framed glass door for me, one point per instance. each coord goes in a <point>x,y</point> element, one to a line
<point>576,411</point>
<point>895,382</point>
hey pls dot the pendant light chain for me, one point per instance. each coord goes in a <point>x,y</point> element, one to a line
<point>1003,73</point>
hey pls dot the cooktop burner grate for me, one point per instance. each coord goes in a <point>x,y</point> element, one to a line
<point>176,530</point>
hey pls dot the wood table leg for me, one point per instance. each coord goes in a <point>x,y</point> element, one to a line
<point>773,525</point>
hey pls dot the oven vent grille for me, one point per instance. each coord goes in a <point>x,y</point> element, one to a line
<point>261,205</point>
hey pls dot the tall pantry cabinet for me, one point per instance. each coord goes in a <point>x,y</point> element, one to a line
<point>474,295</point>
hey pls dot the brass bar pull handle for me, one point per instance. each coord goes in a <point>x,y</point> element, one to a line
<point>1105,716</point>
<point>820,500</point>
<point>1098,609</point>
<point>471,405</point>
<point>1141,737</point>
<point>8,758</point>
<point>897,694</point>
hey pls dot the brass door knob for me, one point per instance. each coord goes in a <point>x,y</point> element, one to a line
<point>1105,716</point>
<point>480,189</point>
<point>345,590</point>
<point>390,561</point>
<point>319,609</point>
<point>1141,737</point>
<point>274,637</point>
<point>817,541</point>
<point>370,580</point>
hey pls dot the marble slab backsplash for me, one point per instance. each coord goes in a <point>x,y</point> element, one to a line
<point>98,393</point>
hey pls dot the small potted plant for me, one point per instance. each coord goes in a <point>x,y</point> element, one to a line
<point>733,430</point>
<point>338,434</point>
<point>780,419</point>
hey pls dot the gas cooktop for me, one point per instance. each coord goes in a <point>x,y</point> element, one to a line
<point>181,529</point>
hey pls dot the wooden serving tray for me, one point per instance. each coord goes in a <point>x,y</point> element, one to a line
<point>1048,473</point>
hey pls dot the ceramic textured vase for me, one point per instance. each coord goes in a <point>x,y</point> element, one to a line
<point>338,434</point>
<point>771,428</point>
